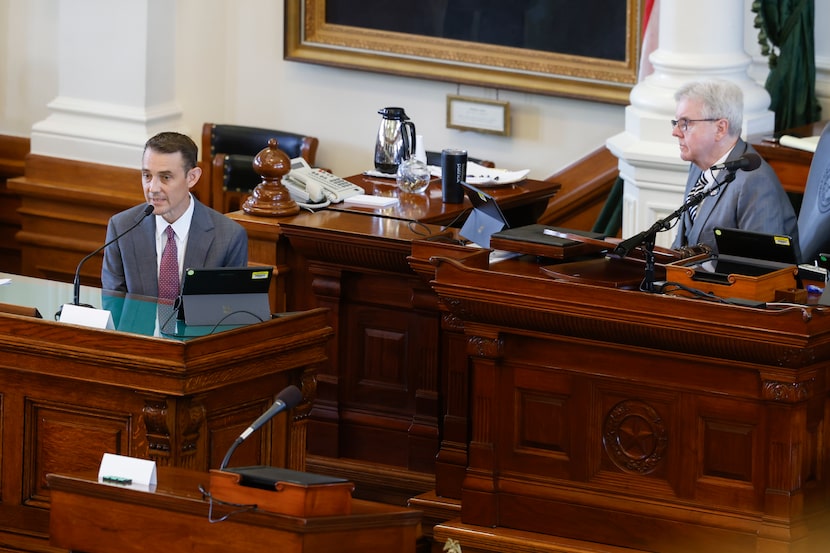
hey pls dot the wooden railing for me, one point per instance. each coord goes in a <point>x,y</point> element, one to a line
<point>586,184</point>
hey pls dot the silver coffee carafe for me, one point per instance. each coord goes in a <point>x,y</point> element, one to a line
<point>396,140</point>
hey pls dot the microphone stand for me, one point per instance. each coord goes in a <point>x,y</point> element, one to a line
<point>648,237</point>
<point>76,283</point>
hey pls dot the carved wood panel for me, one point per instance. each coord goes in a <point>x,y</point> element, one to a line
<point>63,437</point>
<point>646,422</point>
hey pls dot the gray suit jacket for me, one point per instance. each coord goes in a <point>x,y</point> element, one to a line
<point>754,201</point>
<point>130,264</point>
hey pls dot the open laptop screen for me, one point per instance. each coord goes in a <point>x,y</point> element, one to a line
<point>484,220</point>
<point>756,245</point>
<point>227,295</point>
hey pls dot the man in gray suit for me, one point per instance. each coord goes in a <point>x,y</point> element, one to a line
<point>708,123</point>
<point>204,237</point>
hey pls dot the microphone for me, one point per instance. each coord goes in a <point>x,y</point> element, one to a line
<point>747,162</point>
<point>77,282</point>
<point>289,398</point>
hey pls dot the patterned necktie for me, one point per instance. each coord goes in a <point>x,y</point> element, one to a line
<point>169,268</point>
<point>702,181</point>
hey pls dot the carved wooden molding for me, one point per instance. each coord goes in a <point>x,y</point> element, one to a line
<point>173,431</point>
<point>481,346</point>
<point>635,437</point>
<point>787,392</point>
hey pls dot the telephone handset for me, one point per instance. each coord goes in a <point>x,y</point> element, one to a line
<point>314,186</point>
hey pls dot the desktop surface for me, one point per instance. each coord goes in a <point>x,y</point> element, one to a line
<point>428,207</point>
<point>130,313</point>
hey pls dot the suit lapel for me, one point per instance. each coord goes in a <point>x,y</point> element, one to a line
<point>145,241</point>
<point>705,210</point>
<point>200,238</point>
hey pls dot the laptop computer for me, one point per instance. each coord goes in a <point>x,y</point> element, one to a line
<point>484,220</point>
<point>756,245</point>
<point>226,296</point>
<point>748,253</point>
<point>736,246</point>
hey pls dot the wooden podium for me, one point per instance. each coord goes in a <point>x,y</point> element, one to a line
<point>286,492</point>
<point>621,419</point>
<point>68,394</point>
<point>98,518</point>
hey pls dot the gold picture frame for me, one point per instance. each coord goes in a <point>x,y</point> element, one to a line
<point>310,38</point>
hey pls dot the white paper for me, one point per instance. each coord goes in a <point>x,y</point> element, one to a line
<point>139,471</point>
<point>86,316</point>
<point>378,174</point>
<point>479,175</point>
<point>365,200</point>
<point>808,143</point>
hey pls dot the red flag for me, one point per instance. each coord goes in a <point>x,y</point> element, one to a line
<point>650,36</point>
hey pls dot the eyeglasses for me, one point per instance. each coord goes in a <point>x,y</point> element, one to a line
<point>684,123</point>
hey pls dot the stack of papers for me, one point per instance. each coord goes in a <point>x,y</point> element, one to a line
<point>479,175</point>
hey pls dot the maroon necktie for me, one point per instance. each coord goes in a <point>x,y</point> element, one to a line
<point>169,268</point>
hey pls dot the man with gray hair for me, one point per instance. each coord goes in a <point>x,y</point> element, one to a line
<point>707,125</point>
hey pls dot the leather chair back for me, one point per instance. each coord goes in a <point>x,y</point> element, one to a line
<point>236,139</point>
<point>814,215</point>
<point>228,153</point>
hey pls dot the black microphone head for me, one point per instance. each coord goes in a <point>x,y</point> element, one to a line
<point>148,209</point>
<point>751,162</point>
<point>291,397</point>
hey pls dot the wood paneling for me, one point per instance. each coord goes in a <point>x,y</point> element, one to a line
<point>382,394</point>
<point>68,394</point>
<point>65,207</point>
<point>639,420</point>
<point>13,151</point>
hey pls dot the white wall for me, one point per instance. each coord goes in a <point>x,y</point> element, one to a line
<point>28,63</point>
<point>230,70</point>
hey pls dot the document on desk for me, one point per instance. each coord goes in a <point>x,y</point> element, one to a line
<point>808,143</point>
<point>365,200</point>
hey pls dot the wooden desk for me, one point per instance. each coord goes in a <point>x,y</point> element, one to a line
<point>379,417</point>
<point>643,421</point>
<point>522,203</point>
<point>791,165</point>
<point>99,518</point>
<point>68,394</point>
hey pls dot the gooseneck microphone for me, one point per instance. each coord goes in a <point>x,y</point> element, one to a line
<point>747,162</point>
<point>77,282</point>
<point>289,398</point>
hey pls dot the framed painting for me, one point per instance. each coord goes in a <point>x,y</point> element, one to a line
<point>587,49</point>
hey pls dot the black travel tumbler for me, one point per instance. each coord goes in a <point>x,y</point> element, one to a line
<point>453,171</point>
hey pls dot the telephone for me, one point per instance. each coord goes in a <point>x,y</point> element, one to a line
<point>312,187</point>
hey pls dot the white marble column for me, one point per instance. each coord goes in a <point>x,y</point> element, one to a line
<point>116,85</point>
<point>699,39</point>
